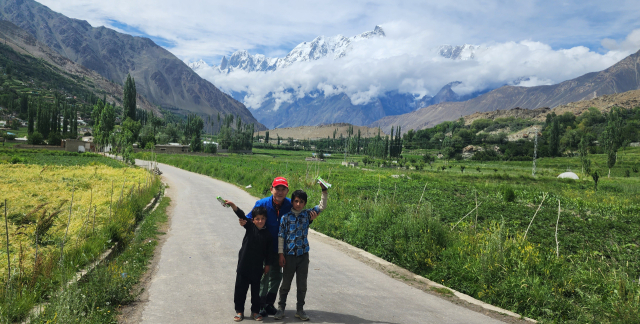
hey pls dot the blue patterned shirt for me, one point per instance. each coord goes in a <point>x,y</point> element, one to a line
<point>294,230</point>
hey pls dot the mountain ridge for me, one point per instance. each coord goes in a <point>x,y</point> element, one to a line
<point>160,76</point>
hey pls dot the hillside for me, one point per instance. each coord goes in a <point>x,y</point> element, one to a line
<point>24,43</point>
<point>160,76</point>
<point>621,77</point>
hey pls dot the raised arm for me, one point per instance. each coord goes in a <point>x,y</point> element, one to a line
<point>242,220</point>
<point>321,206</point>
<point>241,216</point>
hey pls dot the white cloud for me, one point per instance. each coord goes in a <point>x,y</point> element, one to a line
<point>411,65</point>
<point>630,43</point>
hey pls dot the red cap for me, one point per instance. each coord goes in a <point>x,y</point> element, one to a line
<point>280,181</point>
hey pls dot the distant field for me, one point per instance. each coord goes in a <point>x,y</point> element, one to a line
<point>415,219</point>
<point>316,132</point>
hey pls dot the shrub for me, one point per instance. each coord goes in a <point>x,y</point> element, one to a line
<point>211,148</point>
<point>627,173</point>
<point>508,194</point>
<point>35,138</point>
<point>462,167</point>
<point>55,139</point>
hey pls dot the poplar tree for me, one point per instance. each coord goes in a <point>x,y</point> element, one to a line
<point>129,104</point>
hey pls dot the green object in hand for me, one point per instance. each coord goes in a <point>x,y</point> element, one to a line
<point>326,184</point>
<point>222,202</point>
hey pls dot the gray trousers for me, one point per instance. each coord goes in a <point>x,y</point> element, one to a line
<point>298,266</point>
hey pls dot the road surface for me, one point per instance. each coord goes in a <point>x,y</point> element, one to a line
<point>193,281</point>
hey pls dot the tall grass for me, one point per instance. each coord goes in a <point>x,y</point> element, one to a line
<point>52,271</point>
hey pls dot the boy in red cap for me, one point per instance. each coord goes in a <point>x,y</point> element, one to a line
<point>277,205</point>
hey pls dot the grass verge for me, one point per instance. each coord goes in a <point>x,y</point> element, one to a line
<point>98,296</point>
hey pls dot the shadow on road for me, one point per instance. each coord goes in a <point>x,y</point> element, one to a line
<point>318,316</point>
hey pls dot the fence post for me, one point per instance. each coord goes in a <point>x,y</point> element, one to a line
<point>557,221</point>
<point>67,231</point>
<point>6,226</point>
<point>111,202</point>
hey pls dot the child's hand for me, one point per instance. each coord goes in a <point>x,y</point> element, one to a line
<point>282,261</point>
<point>313,215</point>
<point>230,203</point>
<point>322,186</point>
<point>266,269</point>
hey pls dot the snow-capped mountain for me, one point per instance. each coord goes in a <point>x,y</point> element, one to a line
<point>321,47</point>
<point>460,52</point>
<point>317,107</point>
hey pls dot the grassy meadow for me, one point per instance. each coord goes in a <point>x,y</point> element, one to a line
<point>587,273</point>
<point>63,210</point>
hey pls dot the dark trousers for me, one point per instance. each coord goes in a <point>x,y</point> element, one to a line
<point>270,283</point>
<point>240,295</point>
<point>298,266</point>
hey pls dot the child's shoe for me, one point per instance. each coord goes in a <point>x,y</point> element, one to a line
<point>279,314</point>
<point>270,309</point>
<point>302,315</point>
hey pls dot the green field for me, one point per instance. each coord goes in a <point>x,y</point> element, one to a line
<point>408,217</point>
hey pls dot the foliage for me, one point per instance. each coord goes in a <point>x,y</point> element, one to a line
<point>129,100</point>
<point>35,138</point>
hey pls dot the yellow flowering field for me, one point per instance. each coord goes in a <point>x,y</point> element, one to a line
<point>33,193</point>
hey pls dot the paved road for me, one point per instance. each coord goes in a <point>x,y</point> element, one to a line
<point>195,276</point>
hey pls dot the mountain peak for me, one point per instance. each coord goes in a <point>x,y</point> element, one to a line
<point>320,47</point>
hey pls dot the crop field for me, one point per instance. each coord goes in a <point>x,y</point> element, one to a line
<point>57,201</point>
<point>505,252</point>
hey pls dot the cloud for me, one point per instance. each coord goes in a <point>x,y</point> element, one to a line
<point>412,65</point>
<point>630,43</point>
<point>198,29</point>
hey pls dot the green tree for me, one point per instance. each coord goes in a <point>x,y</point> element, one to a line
<point>583,150</point>
<point>129,101</point>
<point>554,139</point>
<point>611,139</point>
<point>266,137</point>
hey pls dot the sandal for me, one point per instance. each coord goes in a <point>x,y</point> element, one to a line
<point>257,316</point>
<point>239,317</point>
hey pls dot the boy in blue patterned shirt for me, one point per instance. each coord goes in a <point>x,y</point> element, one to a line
<point>293,249</point>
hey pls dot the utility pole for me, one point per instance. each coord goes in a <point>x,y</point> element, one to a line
<point>535,152</point>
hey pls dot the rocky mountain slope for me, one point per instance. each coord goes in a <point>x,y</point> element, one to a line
<point>24,43</point>
<point>621,77</point>
<point>160,76</point>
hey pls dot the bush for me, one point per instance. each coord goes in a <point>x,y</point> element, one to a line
<point>211,148</point>
<point>55,139</point>
<point>627,173</point>
<point>508,194</point>
<point>35,138</point>
<point>7,136</point>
